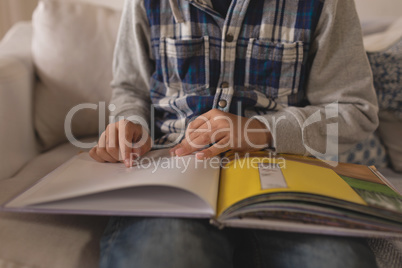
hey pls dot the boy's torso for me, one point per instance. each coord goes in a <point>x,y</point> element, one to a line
<point>252,61</point>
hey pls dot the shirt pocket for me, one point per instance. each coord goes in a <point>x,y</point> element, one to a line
<point>185,64</point>
<point>273,68</point>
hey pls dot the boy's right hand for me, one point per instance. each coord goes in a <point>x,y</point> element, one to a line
<point>122,141</point>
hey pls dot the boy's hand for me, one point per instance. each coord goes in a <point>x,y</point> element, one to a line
<point>226,132</point>
<point>121,141</point>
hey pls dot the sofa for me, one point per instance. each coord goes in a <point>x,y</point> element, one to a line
<point>61,59</point>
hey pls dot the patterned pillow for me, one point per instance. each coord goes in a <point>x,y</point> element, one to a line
<point>368,152</point>
<point>387,72</point>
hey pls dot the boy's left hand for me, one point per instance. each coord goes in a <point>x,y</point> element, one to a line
<point>223,131</point>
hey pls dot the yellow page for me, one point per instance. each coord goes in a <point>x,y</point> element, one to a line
<point>240,179</point>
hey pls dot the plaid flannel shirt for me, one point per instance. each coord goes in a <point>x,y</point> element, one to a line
<point>251,62</point>
<point>284,61</point>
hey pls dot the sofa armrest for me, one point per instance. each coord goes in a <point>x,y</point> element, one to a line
<point>17,137</point>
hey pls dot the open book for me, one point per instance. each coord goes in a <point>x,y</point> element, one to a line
<point>285,193</point>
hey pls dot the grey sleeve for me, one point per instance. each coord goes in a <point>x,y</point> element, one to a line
<point>340,73</point>
<point>132,65</point>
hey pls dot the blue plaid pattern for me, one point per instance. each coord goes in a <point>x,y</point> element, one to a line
<point>254,58</point>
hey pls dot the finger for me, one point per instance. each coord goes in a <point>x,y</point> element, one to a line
<point>194,129</point>
<point>188,146</point>
<point>141,149</point>
<point>93,154</point>
<point>182,144</point>
<point>193,133</point>
<point>214,150</point>
<point>198,122</point>
<point>172,151</point>
<point>112,142</point>
<point>141,138</point>
<point>199,142</point>
<point>101,149</point>
<point>126,132</point>
<point>216,126</point>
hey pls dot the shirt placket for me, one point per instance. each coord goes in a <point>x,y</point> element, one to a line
<point>230,34</point>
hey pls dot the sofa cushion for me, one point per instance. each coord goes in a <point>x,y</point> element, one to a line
<point>377,10</point>
<point>72,49</point>
<point>387,72</point>
<point>390,131</point>
<point>39,240</point>
<point>114,4</point>
<point>17,141</point>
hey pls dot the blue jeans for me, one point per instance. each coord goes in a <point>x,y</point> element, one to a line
<point>177,243</point>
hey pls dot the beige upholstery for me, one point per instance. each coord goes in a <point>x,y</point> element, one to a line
<point>66,76</point>
<point>17,140</point>
<point>375,9</point>
<point>36,240</point>
<point>391,134</point>
<point>72,51</point>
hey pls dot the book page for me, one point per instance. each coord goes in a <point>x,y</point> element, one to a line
<point>83,176</point>
<point>346,169</point>
<point>282,225</point>
<point>240,179</point>
<point>135,201</point>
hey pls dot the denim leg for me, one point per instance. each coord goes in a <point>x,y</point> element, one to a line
<point>160,242</point>
<point>164,242</point>
<point>261,248</point>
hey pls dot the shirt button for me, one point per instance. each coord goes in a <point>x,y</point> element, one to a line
<point>224,85</point>
<point>229,38</point>
<point>222,103</point>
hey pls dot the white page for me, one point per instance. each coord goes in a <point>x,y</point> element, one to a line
<point>137,201</point>
<point>83,176</point>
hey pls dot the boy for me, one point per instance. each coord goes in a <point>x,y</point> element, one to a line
<point>235,75</point>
